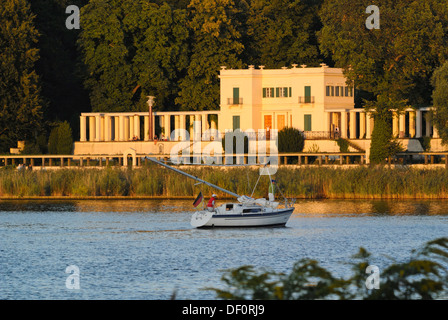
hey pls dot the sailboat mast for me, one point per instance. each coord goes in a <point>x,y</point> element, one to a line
<point>194,178</point>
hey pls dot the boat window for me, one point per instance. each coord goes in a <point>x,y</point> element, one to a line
<point>251,210</point>
<point>229,207</point>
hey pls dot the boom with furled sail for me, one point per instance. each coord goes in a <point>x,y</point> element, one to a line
<point>194,178</point>
<point>248,212</point>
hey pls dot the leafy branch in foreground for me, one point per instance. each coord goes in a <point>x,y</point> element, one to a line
<point>423,276</point>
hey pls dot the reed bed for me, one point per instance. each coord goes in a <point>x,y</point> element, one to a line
<point>154,181</point>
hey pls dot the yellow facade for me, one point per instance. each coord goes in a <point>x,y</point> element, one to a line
<point>309,99</point>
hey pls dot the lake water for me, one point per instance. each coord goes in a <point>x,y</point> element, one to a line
<point>148,250</point>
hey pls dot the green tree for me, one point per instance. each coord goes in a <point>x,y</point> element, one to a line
<point>282,32</point>
<point>142,51</point>
<point>422,276</point>
<point>440,98</point>
<point>394,63</point>
<point>103,43</point>
<point>162,51</point>
<point>215,42</point>
<point>21,104</point>
<point>61,140</point>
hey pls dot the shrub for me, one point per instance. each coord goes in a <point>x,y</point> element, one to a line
<point>290,140</point>
<point>422,276</point>
<point>61,140</point>
<point>343,145</point>
<point>381,138</point>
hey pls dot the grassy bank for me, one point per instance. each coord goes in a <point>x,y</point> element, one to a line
<point>153,181</point>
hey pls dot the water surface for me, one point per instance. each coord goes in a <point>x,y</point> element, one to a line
<point>148,250</point>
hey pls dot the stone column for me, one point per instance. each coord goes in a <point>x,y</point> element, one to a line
<point>117,128</point>
<point>204,122</point>
<point>428,124</point>
<point>352,125</point>
<point>107,128</point>
<point>183,127</point>
<point>190,128</point>
<point>146,128</point>
<point>167,126</point>
<point>97,128</point>
<point>102,128</point>
<point>92,129</point>
<point>411,124</point>
<point>395,130</point>
<point>131,127</point>
<point>176,126</point>
<point>122,121</point>
<point>368,125</point>
<point>137,126</point>
<point>327,121</point>
<point>83,128</point>
<point>344,124</point>
<point>126,128</point>
<point>362,125</point>
<point>418,115</point>
<point>402,125</point>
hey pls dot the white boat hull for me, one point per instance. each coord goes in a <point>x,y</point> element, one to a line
<point>275,218</point>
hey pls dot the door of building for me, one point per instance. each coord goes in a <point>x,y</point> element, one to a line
<point>280,122</point>
<point>268,126</point>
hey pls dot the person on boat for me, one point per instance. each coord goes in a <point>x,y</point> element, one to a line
<point>211,203</point>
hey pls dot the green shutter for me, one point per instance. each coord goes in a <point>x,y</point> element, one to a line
<point>307,94</point>
<point>277,92</point>
<point>307,120</point>
<point>236,123</point>
<point>236,95</point>
<point>264,92</point>
<point>290,92</point>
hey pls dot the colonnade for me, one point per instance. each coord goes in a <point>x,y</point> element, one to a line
<point>358,124</point>
<point>137,126</point>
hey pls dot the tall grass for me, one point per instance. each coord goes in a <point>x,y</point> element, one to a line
<point>317,182</point>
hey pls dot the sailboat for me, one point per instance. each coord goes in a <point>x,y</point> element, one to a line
<point>246,212</point>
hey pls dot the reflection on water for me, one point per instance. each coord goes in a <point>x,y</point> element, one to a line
<point>372,207</point>
<point>128,249</point>
<point>310,207</point>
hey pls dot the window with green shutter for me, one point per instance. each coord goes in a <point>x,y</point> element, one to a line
<point>307,94</point>
<point>307,124</point>
<point>236,123</point>
<point>236,95</point>
<point>268,92</point>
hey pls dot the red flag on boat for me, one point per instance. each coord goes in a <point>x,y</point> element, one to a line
<point>198,200</point>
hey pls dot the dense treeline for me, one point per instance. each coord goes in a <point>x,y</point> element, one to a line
<point>127,50</point>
